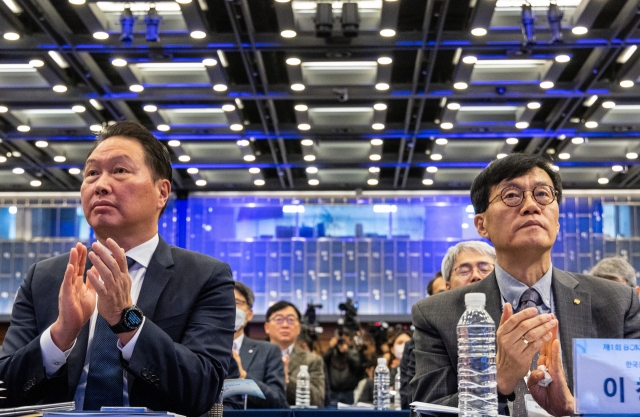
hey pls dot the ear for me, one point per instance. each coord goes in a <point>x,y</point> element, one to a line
<point>164,189</point>
<point>479,222</point>
<point>447,285</point>
<point>267,327</point>
<point>250,316</point>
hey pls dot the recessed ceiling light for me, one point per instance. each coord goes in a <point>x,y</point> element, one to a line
<point>387,33</point>
<point>164,128</point>
<point>453,106</point>
<point>58,59</point>
<point>478,31</point>
<point>42,144</point>
<point>608,104</point>
<point>254,170</point>
<point>183,1</point>
<point>288,33</point>
<point>563,58</point>
<point>242,143</point>
<point>74,171</point>
<point>4,109</point>
<point>96,104</point>
<point>119,62</point>
<point>192,170</point>
<point>469,59</point>
<point>249,158</point>
<point>150,108</point>
<point>293,61</point>
<point>591,124</point>
<point>35,183</point>
<point>228,107</point>
<point>236,127</point>
<point>626,83</point>
<point>382,86</point>
<point>304,126</point>
<point>95,128</point>
<point>603,180</point>
<point>314,181</point>
<point>380,106</point>
<point>297,87</point>
<point>385,60</point>
<point>201,183</point>
<point>556,168</point>
<point>79,108</point>
<point>579,30</point>
<point>375,157</point>
<point>23,128</point>
<point>312,170</point>
<point>36,63</point>
<point>432,170</point>
<point>436,157</point>
<point>372,181</point>
<point>564,155</point>
<point>546,84</point>
<point>376,142</point>
<point>309,158</point>
<point>136,88</point>
<point>441,141</point>
<point>374,170</point>
<point>259,182</point>
<point>306,142</point>
<point>501,155</point>
<point>17,171</point>
<point>11,36</point>
<point>3,159</point>
<point>16,154</point>
<point>460,85</point>
<point>283,1</point>
<point>184,158</point>
<point>173,143</point>
<point>533,105</point>
<point>100,35</point>
<point>446,125</point>
<point>377,126</point>
<point>522,125</point>
<point>60,88</point>
<point>427,181</point>
<point>617,168</point>
<point>210,62</point>
<point>220,87</point>
<point>632,155</point>
<point>301,107</point>
<point>198,34</point>
<point>512,141</point>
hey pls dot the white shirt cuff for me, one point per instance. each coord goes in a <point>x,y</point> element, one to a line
<point>127,350</point>
<point>52,357</point>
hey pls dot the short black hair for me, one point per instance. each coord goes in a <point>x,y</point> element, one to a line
<point>281,305</point>
<point>156,155</point>
<point>433,280</point>
<point>245,291</point>
<point>512,166</point>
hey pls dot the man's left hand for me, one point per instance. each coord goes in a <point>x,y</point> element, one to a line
<point>556,398</point>
<point>114,292</point>
<point>243,373</point>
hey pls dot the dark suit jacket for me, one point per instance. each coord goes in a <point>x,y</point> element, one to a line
<point>606,310</point>
<point>263,363</point>
<point>407,372</point>
<point>182,354</point>
<point>316,372</point>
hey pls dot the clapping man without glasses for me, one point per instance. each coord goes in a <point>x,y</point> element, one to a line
<point>538,309</point>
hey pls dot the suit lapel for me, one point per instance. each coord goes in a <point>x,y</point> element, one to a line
<point>573,310</point>
<point>493,306</point>
<point>155,279</point>
<point>245,356</point>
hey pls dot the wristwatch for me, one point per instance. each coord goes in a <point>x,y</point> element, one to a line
<point>131,320</point>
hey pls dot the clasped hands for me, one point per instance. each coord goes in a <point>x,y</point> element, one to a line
<point>108,278</point>
<point>519,337</point>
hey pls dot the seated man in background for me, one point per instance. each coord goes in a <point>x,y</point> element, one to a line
<point>257,360</point>
<point>467,262</point>
<point>437,284</point>
<point>516,200</point>
<point>282,325</point>
<point>616,269</point>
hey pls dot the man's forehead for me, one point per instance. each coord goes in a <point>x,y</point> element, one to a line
<point>466,255</point>
<point>538,175</point>
<point>287,311</point>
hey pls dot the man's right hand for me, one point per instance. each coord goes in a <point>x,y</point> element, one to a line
<point>76,301</point>
<point>285,360</point>
<point>514,356</point>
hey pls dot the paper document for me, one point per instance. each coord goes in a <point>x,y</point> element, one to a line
<point>419,407</point>
<point>241,387</point>
<point>356,406</point>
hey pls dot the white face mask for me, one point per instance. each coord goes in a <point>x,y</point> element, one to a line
<point>398,350</point>
<point>241,316</point>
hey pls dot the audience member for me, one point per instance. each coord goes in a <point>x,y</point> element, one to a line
<point>257,360</point>
<point>345,366</point>
<point>516,200</point>
<point>437,284</point>
<point>282,325</point>
<point>616,269</point>
<point>467,262</point>
<point>397,348</point>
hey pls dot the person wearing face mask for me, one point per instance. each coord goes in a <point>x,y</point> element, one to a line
<point>257,360</point>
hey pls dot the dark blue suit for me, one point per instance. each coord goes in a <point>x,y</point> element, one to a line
<point>263,363</point>
<point>183,351</point>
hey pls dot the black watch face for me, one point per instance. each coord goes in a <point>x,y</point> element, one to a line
<point>133,319</point>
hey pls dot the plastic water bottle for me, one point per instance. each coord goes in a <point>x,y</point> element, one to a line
<point>477,386</point>
<point>397,404</point>
<point>381,386</point>
<point>303,387</point>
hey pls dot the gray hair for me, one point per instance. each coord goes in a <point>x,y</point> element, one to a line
<point>615,267</point>
<point>470,246</point>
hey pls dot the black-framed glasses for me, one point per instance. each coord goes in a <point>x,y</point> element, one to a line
<point>465,270</point>
<point>514,196</point>
<point>279,320</point>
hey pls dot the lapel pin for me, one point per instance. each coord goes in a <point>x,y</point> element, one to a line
<point>250,350</point>
<point>576,301</point>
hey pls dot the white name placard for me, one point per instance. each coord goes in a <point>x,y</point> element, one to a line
<point>606,375</point>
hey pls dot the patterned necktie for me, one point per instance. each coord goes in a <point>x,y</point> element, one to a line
<point>530,298</point>
<point>105,380</point>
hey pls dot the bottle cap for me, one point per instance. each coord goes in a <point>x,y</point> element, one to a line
<point>475,298</point>
<point>304,368</point>
<point>382,361</point>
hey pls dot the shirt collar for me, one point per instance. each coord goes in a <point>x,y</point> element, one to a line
<point>143,253</point>
<point>288,350</point>
<point>511,289</point>
<point>238,342</point>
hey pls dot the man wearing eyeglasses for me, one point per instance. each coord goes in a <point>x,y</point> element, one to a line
<point>538,309</point>
<point>282,325</point>
<point>466,263</point>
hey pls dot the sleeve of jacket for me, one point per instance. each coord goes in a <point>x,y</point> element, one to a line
<point>436,378</point>
<point>21,363</point>
<point>632,319</point>
<point>186,376</point>
<point>407,370</point>
<point>316,372</point>
<point>273,384</point>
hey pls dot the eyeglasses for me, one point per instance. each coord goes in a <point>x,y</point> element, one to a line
<point>279,320</point>
<point>514,196</point>
<point>465,270</point>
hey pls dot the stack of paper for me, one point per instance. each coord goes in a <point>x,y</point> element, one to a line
<point>356,406</point>
<point>426,408</point>
<point>37,409</point>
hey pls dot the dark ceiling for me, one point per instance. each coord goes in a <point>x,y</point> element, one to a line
<point>425,108</point>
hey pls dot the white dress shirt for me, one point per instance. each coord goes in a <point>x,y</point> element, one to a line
<point>53,358</point>
<point>288,350</point>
